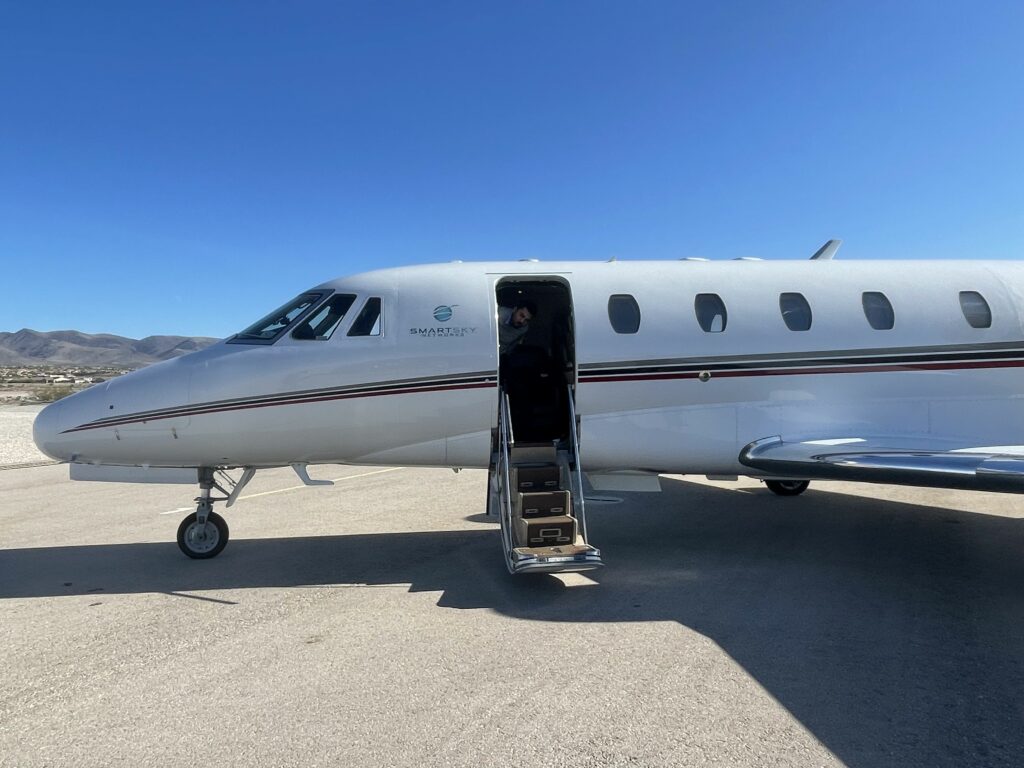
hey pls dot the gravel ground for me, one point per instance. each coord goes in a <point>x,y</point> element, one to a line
<point>16,446</point>
<point>373,624</point>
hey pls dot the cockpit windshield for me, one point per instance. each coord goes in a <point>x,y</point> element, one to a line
<point>321,324</point>
<point>274,324</point>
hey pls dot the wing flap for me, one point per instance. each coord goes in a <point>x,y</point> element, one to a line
<point>899,461</point>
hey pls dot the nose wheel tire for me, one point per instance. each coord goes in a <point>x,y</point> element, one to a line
<point>203,542</point>
<point>787,487</point>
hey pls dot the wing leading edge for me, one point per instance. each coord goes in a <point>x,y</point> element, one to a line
<point>896,460</point>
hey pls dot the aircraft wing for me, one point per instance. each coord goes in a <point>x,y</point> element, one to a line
<point>897,460</point>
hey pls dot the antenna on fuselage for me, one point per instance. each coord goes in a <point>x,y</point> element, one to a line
<point>828,251</point>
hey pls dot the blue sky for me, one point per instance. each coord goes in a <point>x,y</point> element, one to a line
<point>185,167</point>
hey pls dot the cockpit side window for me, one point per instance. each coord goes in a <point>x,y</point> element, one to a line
<point>325,320</point>
<point>368,323</point>
<point>273,325</point>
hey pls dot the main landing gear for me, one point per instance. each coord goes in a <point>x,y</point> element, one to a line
<point>787,487</point>
<point>204,533</point>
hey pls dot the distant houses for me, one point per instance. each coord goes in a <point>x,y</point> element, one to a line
<point>34,384</point>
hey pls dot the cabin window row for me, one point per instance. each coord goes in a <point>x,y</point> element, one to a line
<point>712,316</point>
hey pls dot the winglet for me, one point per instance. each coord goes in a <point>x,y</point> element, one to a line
<point>828,251</point>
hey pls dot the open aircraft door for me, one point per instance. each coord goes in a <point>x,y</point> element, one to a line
<point>535,482</point>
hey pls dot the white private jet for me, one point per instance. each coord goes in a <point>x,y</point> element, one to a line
<point>893,372</point>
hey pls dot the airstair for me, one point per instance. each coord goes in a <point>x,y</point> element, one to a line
<point>536,490</point>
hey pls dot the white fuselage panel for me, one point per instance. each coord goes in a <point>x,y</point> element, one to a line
<point>668,398</point>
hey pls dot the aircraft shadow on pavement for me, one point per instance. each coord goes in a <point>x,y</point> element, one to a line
<point>894,632</point>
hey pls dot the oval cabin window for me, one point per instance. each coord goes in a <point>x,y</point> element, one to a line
<point>710,311</point>
<point>878,310</point>
<point>795,311</point>
<point>624,313</point>
<point>975,309</point>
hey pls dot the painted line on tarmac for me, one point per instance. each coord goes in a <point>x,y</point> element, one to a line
<point>290,488</point>
<point>29,464</point>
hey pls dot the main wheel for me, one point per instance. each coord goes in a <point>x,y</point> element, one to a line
<point>787,487</point>
<point>202,544</point>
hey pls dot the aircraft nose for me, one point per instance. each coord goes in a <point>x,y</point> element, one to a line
<point>46,431</point>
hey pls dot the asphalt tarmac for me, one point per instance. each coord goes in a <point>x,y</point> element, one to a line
<point>374,624</point>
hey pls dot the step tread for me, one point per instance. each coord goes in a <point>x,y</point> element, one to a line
<point>561,550</point>
<point>549,519</point>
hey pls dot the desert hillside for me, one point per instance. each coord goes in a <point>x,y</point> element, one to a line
<point>28,347</point>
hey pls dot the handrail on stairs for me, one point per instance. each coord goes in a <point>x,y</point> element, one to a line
<point>507,443</point>
<point>578,503</point>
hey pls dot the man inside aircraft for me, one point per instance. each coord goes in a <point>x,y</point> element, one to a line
<point>513,323</point>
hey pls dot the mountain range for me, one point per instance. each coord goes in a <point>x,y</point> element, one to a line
<point>28,347</point>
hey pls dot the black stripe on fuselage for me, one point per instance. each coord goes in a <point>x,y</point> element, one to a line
<point>944,353</point>
<point>397,387</point>
<point>948,357</point>
<point>1001,355</point>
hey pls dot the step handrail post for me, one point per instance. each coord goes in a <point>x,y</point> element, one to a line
<point>507,441</point>
<point>578,502</point>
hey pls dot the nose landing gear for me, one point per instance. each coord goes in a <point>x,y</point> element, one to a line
<point>204,533</point>
<point>202,540</point>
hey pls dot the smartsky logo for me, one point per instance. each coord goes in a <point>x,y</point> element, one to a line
<point>444,313</point>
